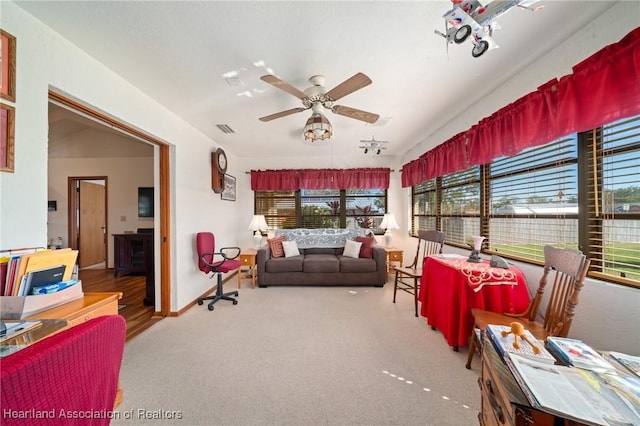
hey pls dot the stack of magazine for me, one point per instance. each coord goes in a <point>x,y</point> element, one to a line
<point>595,396</point>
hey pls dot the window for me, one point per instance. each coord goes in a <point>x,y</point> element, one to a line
<point>613,201</point>
<point>581,191</point>
<point>425,207</point>
<point>460,205</point>
<point>533,199</point>
<point>352,208</point>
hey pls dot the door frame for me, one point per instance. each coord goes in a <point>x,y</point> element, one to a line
<point>72,220</point>
<point>164,177</point>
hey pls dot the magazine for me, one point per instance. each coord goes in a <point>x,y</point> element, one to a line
<point>505,344</point>
<point>580,395</point>
<point>631,362</point>
<point>577,353</point>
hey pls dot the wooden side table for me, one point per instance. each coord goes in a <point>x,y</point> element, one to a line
<point>394,255</point>
<point>248,259</point>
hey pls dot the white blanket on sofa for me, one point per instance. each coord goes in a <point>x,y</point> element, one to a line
<point>322,237</point>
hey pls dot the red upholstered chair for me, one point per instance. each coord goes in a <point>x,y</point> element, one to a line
<point>207,263</point>
<point>69,378</point>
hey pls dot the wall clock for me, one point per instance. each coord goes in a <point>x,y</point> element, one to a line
<point>218,169</point>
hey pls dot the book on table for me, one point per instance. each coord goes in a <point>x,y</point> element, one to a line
<point>578,354</point>
<point>505,343</point>
<point>583,396</point>
<point>630,362</point>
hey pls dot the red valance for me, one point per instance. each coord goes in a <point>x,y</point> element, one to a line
<point>603,88</point>
<point>294,179</point>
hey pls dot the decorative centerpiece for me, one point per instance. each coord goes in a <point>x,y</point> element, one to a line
<point>475,253</point>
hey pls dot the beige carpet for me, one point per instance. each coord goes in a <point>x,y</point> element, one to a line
<point>298,356</point>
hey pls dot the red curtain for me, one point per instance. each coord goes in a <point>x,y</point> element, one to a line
<point>522,124</point>
<point>294,179</point>
<point>274,180</point>
<point>603,88</point>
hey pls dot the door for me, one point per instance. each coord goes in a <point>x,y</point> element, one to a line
<point>92,224</point>
<point>88,219</point>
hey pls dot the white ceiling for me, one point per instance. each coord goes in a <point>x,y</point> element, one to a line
<point>180,52</point>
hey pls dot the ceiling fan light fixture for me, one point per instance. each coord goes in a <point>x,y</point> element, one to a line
<point>317,127</point>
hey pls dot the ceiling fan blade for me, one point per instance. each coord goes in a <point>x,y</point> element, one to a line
<point>275,81</point>
<point>282,114</point>
<point>348,86</point>
<point>369,117</point>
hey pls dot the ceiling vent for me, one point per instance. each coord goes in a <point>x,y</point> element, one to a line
<point>225,128</point>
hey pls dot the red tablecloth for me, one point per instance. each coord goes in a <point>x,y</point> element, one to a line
<point>450,288</point>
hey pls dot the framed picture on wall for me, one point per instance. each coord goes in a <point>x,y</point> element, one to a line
<point>7,123</point>
<point>7,66</point>
<point>229,192</point>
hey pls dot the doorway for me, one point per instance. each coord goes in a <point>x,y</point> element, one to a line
<point>88,219</point>
<point>92,118</point>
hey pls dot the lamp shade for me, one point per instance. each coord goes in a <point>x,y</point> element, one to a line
<point>258,223</point>
<point>317,127</point>
<point>389,222</point>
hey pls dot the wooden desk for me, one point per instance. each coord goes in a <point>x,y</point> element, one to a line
<point>133,253</point>
<point>248,259</point>
<point>46,329</point>
<point>450,288</point>
<point>77,311</point>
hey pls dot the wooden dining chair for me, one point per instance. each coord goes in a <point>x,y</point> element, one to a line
<point>407,278</point>
<point>569,268</point>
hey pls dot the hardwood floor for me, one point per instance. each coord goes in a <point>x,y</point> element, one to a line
<point>137,316</point>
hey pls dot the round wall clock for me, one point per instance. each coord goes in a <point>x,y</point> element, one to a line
<point>218,169</point>
<point>221,161</point>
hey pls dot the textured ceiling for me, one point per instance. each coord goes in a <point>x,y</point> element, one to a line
<point>182,53</point>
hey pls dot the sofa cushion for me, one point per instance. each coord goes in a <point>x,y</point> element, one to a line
<point>366,250</point>
<point>317,250</point>
<point>290,249</point>
<point>284,264</point>
<point>351,264</point>
<point>275,245</point>
<point>321,263</point>
<point>352,249</point>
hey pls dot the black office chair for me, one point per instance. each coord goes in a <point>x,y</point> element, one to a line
<point>206,246</point>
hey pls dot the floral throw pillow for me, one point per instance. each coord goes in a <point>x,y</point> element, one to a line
<point>275,245</point>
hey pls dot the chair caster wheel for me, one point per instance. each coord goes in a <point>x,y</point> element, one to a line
<point>235,302</point>
<point>211,307</point>
<point>237,294</point>
<point>200,302</point>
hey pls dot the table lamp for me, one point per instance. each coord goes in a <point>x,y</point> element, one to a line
<point>388,223</point>
<point>258,224</point>
<point>475,253</point>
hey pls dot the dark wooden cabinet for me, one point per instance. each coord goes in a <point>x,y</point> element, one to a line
<point>133,254</point>
<point>502,400</point>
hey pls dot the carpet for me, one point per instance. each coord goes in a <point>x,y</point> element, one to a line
<point>298,356</point>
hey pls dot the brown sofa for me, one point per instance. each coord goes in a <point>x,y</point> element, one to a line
<point>322,266</point>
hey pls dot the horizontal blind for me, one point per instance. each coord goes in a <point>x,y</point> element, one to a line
<point>614,200</point>
<point>365,208</point>
<point>424,207</point>
<point>320,208</point>
<point>460,205</point>
<point>533,200</point>
<point>278,208</point>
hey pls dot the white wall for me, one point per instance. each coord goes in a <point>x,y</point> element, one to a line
<point>124,176</point>
<point>45,60</point>
<point>607,312</point>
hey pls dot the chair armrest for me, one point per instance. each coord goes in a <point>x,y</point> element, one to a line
<point>224,250</point>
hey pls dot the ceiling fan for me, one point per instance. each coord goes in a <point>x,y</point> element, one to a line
<point>316,97</point>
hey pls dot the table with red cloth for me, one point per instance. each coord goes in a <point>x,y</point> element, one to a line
<point>450,287</point>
